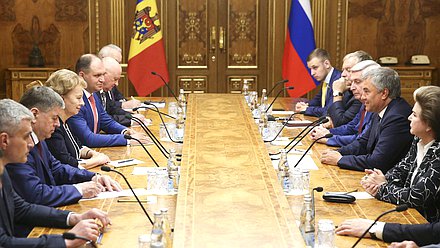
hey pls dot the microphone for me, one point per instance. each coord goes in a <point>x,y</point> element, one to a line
<point>399,208</point>
<point>165,126</point>
<point>108,169</point>
<point>285,123</point>
<point>329,135</point>
<point>320,121</point>
<point>72,236</point>
<point>278,94</point>
<point>313,124</point>
<point>150,134</point>
<point>145,149</point>
<point>276,84</point>
<point>149,103</point>
<point>163,80</point>
<point>318,189</point>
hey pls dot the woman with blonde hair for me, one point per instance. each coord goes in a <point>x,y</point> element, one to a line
<point>63,144</point>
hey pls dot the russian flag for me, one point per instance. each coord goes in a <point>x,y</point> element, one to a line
<point>147,53</point>
<point>300,42</point>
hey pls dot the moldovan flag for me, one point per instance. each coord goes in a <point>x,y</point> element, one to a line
<point>147,52</point>
<point>300,42</point>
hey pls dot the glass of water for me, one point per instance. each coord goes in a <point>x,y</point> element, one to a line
<point>172,109</point>
<point>326,234</point>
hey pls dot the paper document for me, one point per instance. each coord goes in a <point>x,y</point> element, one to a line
<point>141,171</point>
<point>125,162</point>
<point>114,194</point>
<point>306,163</point>
<point>283,112</point>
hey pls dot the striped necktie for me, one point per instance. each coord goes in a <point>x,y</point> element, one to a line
<point>95,113</point>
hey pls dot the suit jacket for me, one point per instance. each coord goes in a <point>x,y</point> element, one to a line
<point>422,234</point>
<point>342,112</point>
<point>384,144</point>
<point>81,126</point>
<point>14,210</point>
<point>117,95</point>
<point>424,193</point>
<point>315,108</point>
<point>64,146</point>
<point>113,108</point>
<point>345,134</point>
<point>44,180</point>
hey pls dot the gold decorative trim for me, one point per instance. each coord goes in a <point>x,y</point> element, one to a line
<point>97,25</point>
<point>319,17</point>
<point>339,32</point>
<point>117,23</point>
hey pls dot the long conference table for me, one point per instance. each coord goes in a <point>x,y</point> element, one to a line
<point>229,195</point>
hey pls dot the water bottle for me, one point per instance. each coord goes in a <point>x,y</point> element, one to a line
<point>165,225</point>
<point>157,234</point>
<point>263,125</point>
<point>180,125</point>
<point>307,221</point>
<point>245,90</point>
<point>283,171</point>
<point>181,101</point>
<point>173,171</point>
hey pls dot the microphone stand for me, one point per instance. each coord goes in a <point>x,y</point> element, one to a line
<point>278,94</point>
<point>285,123</point>
<point>166,84</point>
<point>149,103</point>
<point>145,149</point>
<point>165,126</point>
<point>297,136</point>
<point>159,145</point>
<point>318,189</point>
<point>276,84</point>
<point>108,169</point>
<point>322,120</point>
<point>329,135</point>
<point>399,208</point>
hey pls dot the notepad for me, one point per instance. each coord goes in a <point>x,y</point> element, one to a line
<point>125,162</point>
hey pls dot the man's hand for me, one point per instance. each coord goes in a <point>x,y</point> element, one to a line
<point>318,132</point>
<point>85,228</point>
<point>328,124</point>
<point>108,183</point>
<point>101,158</point>
<point>340,85</point>
<point>93,213</point>
<point>90,189</point>
<point>133,103</point>
<point>354,227</point>
<point>404,244</point>
<point>143,138</point>
<point>301,106</point>
<point>330,157</point>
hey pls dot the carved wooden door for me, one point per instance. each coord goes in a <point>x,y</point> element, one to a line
<point>215,44</point>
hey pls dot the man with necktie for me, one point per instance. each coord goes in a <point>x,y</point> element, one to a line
<point>388,139</point>
<point>15,144</point>
<point>321,69</point>
<point>92,118</point>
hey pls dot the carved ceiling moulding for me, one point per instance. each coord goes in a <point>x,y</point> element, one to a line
<point>7,13</point>
<point>48,41</point>
<point>71,10</point>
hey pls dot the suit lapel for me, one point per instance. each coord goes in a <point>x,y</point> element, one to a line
<point>5,210</point>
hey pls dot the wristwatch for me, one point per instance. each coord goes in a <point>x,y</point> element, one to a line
<point>337,93</point>
<point>372,231</point>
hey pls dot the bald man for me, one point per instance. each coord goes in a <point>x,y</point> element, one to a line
<point>112,75</point>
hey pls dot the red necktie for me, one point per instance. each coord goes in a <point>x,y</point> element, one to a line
<point>95,113</point>
<point>361,122</point>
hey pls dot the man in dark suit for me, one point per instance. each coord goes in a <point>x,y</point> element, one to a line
<point>115,52</point>
<point>43,179</point>
<point>388,139</point>
<point>347,133</point>
<point>92,118</point>
<point>345,106</point>
<point>112,75</point>
<point>419,234</point>
<point>15,143</point>
<point>321,69</point>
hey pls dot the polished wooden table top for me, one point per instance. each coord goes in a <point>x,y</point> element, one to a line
<point>226,177</point>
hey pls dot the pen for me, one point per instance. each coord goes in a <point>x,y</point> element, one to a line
<point>125,161</point>
<point>98,241</point>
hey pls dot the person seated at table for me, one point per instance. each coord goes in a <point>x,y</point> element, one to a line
<point>345,105</point>
<point>115,52</point>
<point>388,139</point>
<point>415,180</point>
<point>42,179</point>
<point>321,69</point>
<point>63,145</point>
<point>92,118</point>
<point>15,144</point>
<point>345,134</point>
<point>112,75</point>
